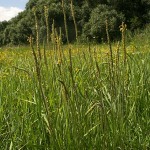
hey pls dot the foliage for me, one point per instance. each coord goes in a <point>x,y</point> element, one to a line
<point>96,27</point>
<point>136,14</point>
<point>136,11</point>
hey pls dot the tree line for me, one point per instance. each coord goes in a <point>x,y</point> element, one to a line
<point>89,17</point>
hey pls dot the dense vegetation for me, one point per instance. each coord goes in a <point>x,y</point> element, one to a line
<point>81,96</point>
<point>77,97</point>
<point>89,16</point>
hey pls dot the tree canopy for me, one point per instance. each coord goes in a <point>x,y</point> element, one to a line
<point>89,16</point>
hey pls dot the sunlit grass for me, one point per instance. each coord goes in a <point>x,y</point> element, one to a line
<point>91,105</point>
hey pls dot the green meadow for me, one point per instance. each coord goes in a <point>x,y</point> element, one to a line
<point>76,97</point>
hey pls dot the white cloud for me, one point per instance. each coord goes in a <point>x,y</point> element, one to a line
<point>8,13</point>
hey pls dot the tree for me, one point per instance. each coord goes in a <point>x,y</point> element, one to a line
<point>3,25</point>
<point>136,12</point>
<point>89,16</point>
<point>96,26</point>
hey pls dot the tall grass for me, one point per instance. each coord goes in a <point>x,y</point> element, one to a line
<point>92,98</point>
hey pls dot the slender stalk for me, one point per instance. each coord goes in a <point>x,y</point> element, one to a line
<point>60,43</point>
<point>39,79</point>
<point>37,33</point>
<point>45,57</point>
<point>74,19</point>
<point>53,35</point>
<point>71,67</point>
<point>111,68</point>
<point>110,47</point>
<point>117,62</point>
<point>123,28</point>
<point>65,21</point>
<point>47,23</point>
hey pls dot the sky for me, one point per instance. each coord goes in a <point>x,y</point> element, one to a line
<point>10,8</point>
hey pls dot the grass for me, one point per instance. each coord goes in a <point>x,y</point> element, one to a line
<point>90,105</point>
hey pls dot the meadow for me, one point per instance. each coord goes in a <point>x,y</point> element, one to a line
<point>76,97</point>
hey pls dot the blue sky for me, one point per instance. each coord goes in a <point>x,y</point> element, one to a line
<point>10,8</point>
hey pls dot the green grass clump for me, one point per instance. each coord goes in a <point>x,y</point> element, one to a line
<point>76,101</point>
